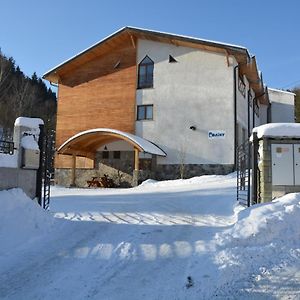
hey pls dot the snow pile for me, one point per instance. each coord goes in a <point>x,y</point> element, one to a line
<point>277,221</point>
<point>204,179</point>
<point>28,142</point>
<point>277,130</point>
<point>21,219</point>
<point>261,247</point>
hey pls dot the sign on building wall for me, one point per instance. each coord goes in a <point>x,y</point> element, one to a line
<point>216,134</point>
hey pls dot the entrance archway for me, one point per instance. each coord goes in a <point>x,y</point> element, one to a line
<point>86,143</point>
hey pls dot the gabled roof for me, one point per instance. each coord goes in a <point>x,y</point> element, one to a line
<point>132,34</point>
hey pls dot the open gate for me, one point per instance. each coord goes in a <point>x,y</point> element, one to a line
<point>243,173</point>
<point>46,169</point>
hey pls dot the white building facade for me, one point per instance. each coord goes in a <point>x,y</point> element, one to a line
<point>199,100</point>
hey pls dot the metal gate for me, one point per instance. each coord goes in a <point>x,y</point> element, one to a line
<point>46,169</point>
<point>243,173</point>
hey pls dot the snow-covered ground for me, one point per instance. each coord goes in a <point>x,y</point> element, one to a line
<point>182,239</point>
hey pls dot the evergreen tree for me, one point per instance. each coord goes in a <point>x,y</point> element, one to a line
<point>23,96</point>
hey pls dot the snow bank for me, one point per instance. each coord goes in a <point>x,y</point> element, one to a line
<point>151,183</point>
<point>260,251</point>
<point>277,130</point>
<point>21,219</point>
<point>277,221</point>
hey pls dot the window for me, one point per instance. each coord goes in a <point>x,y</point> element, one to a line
<point>172,59</point>
<point>117,154</point>
<point>145,112</point>
<point>145,73</point>
<point>105,154</point>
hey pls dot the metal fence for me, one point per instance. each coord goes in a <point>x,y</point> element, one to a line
<point>243,173</point>
<point>6,147</point>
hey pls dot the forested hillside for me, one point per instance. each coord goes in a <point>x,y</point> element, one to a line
<point>21,95</point>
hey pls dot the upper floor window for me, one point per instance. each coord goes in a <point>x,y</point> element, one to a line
<point>145,112</point>
<point>145,73</point>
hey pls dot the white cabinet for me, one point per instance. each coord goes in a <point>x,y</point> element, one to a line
<point>297,163</point>
<point>282,164</point>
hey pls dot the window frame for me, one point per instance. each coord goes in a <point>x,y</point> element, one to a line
<point>145,106</point>
<point>106,154</point>
<point>148,83</point>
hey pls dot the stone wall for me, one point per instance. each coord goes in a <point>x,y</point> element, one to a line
<point>125,179</point>
<point>265,169</point>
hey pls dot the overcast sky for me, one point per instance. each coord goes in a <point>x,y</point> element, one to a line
<point>41,34</point>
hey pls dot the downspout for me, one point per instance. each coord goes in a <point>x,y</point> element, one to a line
<point>235,110</point>
<point>235,114</point>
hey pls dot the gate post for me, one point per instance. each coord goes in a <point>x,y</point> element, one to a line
<point>39,173</point>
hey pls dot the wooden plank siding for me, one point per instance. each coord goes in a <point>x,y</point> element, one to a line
<point>96,94</point>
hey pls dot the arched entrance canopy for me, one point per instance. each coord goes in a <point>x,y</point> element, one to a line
<point>87,142</point>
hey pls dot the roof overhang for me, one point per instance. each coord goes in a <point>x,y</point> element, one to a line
<point>86,143</point>
<point>131,34</point>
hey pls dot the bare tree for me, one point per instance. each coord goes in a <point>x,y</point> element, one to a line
<point>182,159</point>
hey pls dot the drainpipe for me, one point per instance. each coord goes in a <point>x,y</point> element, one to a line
<point>235,109</point>
<point>235,114</point>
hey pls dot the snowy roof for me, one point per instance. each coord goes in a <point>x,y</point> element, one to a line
<point>29,122</point>
<point>281,91</point>
<point>278,130</point>
<point>143,144</point>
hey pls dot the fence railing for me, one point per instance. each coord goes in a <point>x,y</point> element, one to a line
<point>243,173</point>
<point>6,147</point>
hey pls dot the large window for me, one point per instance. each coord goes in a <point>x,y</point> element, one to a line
<point>145,73</point>
<point>145,112</point>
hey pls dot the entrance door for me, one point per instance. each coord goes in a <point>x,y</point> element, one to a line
<point>283,164</point>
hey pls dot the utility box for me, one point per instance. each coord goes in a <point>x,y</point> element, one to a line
<point>276,170</point>
<point>30,159</point>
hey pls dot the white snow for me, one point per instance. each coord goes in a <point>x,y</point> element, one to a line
<point>29,122</point>
<point>146,145</point>
<point>21,220</point>
<point>281,91</point>
<point>182,239</point>
<point>277,130</point>
<point>28,142</point>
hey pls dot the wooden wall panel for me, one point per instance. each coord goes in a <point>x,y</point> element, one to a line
<point>98,95</point>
